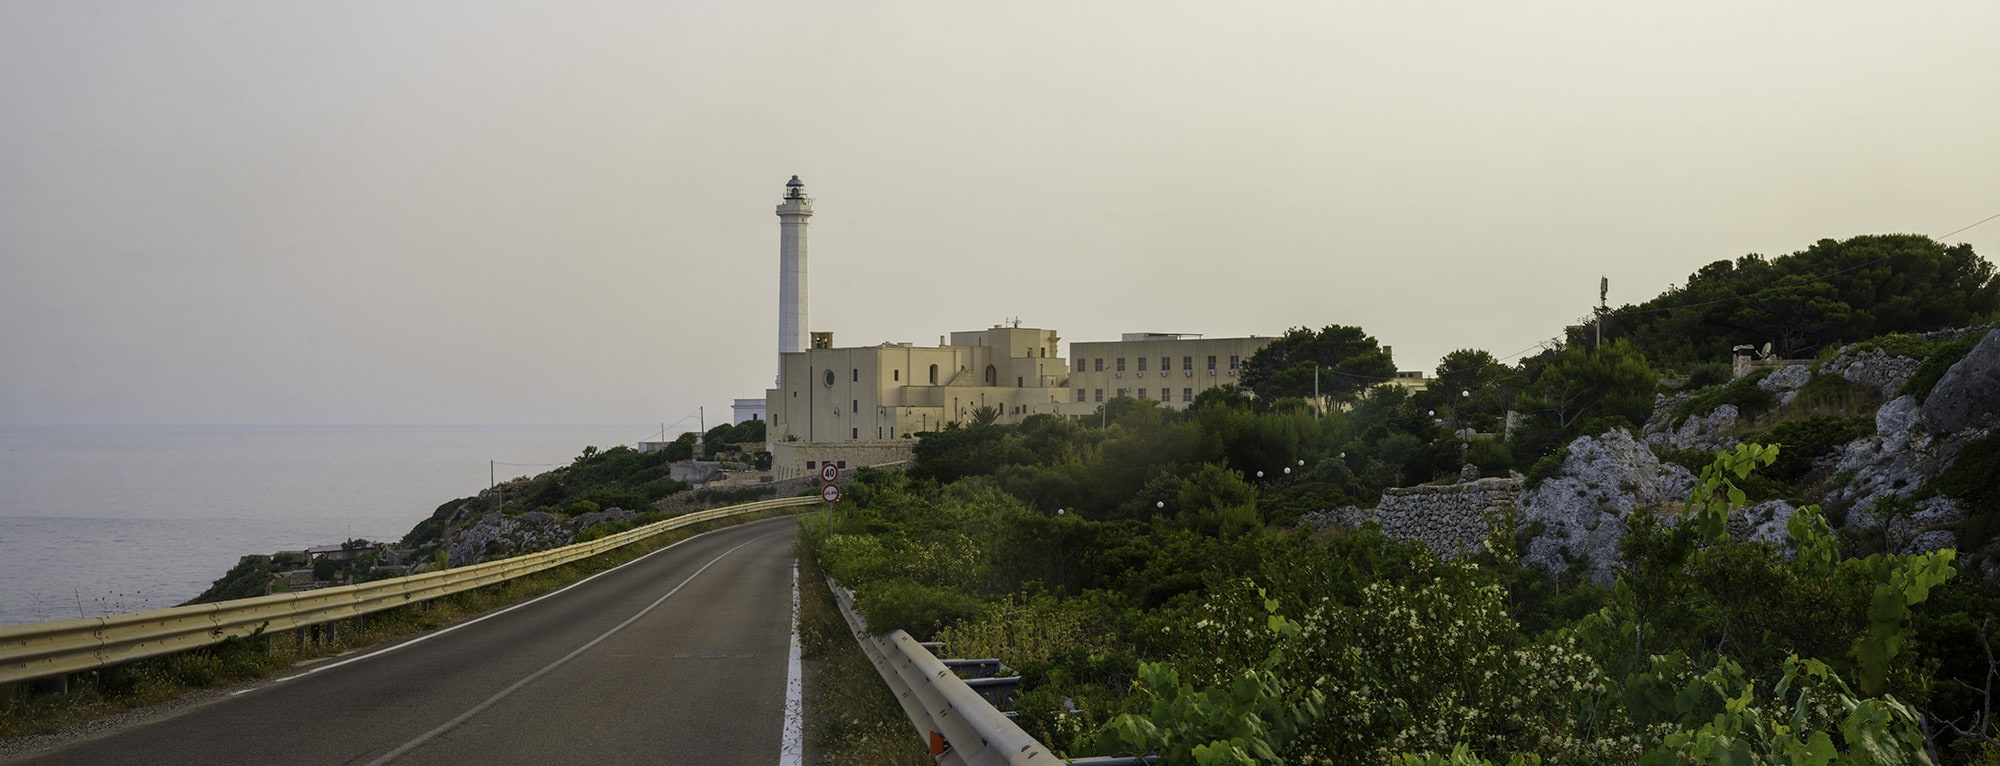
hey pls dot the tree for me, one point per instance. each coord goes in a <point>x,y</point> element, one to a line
<point>1345,359</point>
<point>1583,391</point>
<point>1835,291</point>
<point>1472,386</point>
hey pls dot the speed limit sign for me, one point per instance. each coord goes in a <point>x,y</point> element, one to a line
<point>828,473</point>
<point>829,493</point>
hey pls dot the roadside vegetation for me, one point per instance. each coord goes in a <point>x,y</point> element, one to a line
<point>1167,582</point>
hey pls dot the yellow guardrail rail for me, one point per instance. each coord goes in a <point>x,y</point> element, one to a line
<point>48,649</point>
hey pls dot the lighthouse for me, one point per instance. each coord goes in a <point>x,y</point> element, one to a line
<point>793,216</point>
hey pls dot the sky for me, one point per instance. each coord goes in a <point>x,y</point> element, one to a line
<point>538,212</point>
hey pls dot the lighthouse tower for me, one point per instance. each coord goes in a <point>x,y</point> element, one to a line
<point>793,214</point>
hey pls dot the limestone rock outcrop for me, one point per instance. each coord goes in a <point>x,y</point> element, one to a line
<point>1583,511</point>
<point>1968,396</point>
<point>1711,431</point>
<point>1876,369</point>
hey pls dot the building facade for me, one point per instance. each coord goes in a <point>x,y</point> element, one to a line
<point>1169,368</point>
<point>865,405</point>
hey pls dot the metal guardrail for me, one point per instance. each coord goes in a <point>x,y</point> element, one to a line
<point>47,649</point>
<point>968,729</point>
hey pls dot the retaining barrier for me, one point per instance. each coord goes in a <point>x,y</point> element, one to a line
<point>48,649</point>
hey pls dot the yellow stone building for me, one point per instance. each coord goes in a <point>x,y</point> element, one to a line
<point>865,405</point>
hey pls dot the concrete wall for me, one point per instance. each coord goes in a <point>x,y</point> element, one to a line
<point>788,459</point>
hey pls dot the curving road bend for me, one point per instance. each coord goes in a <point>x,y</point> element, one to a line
<point>679,657</point>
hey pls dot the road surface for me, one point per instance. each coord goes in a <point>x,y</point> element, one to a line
<point>679,657</point>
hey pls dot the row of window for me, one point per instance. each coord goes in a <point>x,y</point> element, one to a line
<point>1166,394</point>
<point>1166,363</point>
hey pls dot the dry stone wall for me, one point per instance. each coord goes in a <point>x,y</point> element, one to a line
<point>1451,518</point>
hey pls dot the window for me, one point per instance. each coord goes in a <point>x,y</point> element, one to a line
<point>857,375</point>
<point>840,464</point>
<point>812,465</point>
<point>1187,364</point>
<point>829,378</point>
<point>1100,365</point>
<point>1124,392</point>
<point>896,375</point>
<point>855,407</point>
<point>1166,363</point>
<point>992,375</point>
<point>1142,393</point>
<point>1211,364</point>
<point>857,433</point>
<point>1100,395</point>
<point>1232,362</point>
<point>1020,382</point>
<point>933,374</point>
<point>1142,364</point>
<point>1187,394</point>
<point>1121,364</point>
<point>1082,395</point>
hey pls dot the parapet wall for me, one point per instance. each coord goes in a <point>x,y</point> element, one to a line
<point>1450,518</point>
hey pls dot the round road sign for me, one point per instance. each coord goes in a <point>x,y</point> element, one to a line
<point>829,493</point>
<point>828,472</point>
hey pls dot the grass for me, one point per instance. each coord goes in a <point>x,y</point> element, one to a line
<point>31,708</point>
<point>851,716</point>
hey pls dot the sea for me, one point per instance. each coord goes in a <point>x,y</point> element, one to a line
<point>98,520</point>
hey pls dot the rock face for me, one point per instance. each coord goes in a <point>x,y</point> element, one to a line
<point>1968,396</point>
<point>1452,519</point>
<point>1876,369</point>
<point>1892,464</point>
<point>1786,382</point>
<point>1582,512</point>
<point>496,535</point>
<point>1703,432</point>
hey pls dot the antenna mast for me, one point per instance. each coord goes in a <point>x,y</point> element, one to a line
<point>1603,290</point>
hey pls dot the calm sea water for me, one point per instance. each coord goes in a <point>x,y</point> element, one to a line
<point>100,520</point>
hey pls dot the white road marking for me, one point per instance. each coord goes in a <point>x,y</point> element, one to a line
<point>791,751</point>
<point>516,686</point>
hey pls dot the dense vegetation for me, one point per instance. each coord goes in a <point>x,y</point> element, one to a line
<point>1833,292</point>
<point>1147,571</point>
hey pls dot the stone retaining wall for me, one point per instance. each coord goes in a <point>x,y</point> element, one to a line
<point>1450,518</point>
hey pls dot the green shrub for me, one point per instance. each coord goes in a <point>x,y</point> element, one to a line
<point>1709,374</point>
<point>920,609</point>
<point>1545,468</point>
<point>1490,456</point>
<point>1743,392</point>
<point>605,529</point>
<point>1806,439</point>
<point>1927,374</point>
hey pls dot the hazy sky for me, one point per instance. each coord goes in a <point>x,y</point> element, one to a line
<point>506,212</point>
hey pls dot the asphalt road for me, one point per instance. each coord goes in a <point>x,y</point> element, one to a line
<point>680,657</point>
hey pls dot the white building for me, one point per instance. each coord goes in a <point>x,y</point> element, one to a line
<point>865,405</point>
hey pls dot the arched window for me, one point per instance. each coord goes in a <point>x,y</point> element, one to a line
<point>933,374</point>
<point>992,375</point>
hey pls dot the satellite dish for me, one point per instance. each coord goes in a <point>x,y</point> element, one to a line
<point>1766,353</point>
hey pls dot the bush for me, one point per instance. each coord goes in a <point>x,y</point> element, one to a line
<point>1710,374</point>
<point>1934,366</point>
<point>1806,439</point>
<point>920,609</point>
<point>1743,392</point>
<point>596,531</point>
<point>1491,457</point>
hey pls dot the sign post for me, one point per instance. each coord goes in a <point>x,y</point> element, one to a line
<point>829,492</point>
